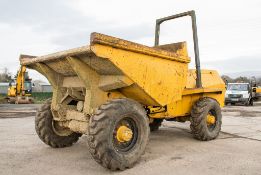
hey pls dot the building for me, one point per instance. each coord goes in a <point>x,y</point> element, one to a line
<point>42,87</point>
<point>38,87</point>
<point>3,88</point>
<point>46,87</point>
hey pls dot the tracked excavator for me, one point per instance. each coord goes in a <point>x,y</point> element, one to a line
<point>20,88</point>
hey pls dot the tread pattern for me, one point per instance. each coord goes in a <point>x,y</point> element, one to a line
<point>198,119</point>
<point>44,129</point>
<point>100,128</point>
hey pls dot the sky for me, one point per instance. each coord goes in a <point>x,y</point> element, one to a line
<point>229,31</point>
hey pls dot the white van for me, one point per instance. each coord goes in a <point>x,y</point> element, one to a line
<point>239,93</point>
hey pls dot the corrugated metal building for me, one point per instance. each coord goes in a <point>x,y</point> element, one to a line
<point>42,87</point>
<point>4,88</point>
<point>46,87</point>
<point>39,87</point>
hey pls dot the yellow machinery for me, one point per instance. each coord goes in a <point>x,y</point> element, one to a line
<point>20,89</point>
<point>256,92</point>
<point>116,91</point>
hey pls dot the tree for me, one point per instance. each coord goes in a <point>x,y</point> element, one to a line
<point>253,80</point>
<point>242,80</point>
<point>258,81</point>
<point>227,79</point>
<point>5,76</point>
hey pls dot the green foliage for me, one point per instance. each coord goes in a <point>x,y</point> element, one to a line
<point>2,98</point>
<point>40,97</point>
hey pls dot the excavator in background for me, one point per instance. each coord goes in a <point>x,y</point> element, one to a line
<point>256,90</point>
<point>20,88</point>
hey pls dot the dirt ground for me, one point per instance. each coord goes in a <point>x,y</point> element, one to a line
<point>171,150</point>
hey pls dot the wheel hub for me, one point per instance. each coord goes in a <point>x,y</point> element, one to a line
<point>211,119</point>
<point>60,130</point>
<point>124,134</point>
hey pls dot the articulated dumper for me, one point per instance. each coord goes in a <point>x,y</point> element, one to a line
<point>117,91</point>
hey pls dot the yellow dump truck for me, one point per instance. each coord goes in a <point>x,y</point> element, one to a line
<point>116,91</point>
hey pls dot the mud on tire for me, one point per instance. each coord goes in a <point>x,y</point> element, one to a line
<point>199,127</point>
<point>45,130</point>
<point>103,125</point>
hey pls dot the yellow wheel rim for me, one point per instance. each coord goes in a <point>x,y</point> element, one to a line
<point>124,134</point>
<point>211,119</point>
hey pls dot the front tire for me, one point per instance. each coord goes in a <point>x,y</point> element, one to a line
<point>202,109</point>
<point>105,147</point>
<point>44,126</point>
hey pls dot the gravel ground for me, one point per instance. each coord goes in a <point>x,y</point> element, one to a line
<point>171,150</point>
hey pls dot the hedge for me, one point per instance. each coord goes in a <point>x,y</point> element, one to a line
<point>41,96</point>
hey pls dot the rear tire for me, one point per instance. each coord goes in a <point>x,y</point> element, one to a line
<point>103,144</point>
<point>199,126</point>
<point>154,126</point>
<point>46,132</point>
